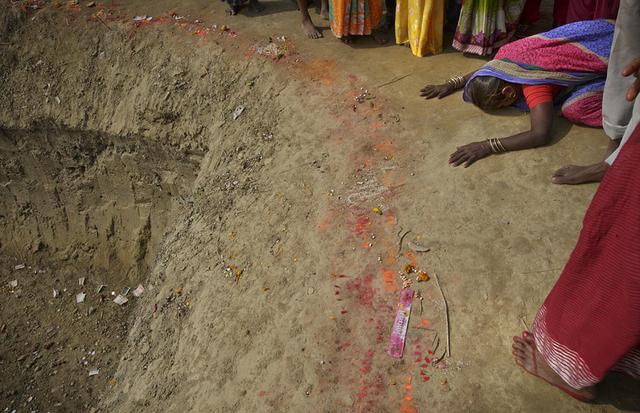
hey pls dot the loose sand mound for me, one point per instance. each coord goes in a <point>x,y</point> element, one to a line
<point>269,245</point>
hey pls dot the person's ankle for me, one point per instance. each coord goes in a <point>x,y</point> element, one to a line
<point>600,167</point>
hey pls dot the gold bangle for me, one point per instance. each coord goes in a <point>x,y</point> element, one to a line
<point>493,149</point>
<point>500,145</point>
<point>496,145</point>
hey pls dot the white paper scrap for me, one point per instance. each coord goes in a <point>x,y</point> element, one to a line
<point>138,291</point>
<point>120,300</point>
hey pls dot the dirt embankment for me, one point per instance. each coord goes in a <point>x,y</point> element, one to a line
<point>102,136</point>
<point>122,164</point>
<point>267,245</point>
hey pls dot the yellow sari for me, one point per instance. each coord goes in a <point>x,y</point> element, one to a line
<point>419,23</point>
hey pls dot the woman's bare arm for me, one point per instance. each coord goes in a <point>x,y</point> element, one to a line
<point>538,135</point>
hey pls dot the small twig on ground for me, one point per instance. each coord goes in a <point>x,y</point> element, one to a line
<point>446,312</point>
<point>437,345</point>
<point>395,80</point>
<point>537,272</point>
<point>524,323</point>
<point>400,242</point>
<point>97,16</point>
<point>296,167</point>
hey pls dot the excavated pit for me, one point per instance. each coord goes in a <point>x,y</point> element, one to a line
<point>77,204</point>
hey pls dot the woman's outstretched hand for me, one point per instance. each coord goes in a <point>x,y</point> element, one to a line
<point>470,153</point>
<point>431,91</point>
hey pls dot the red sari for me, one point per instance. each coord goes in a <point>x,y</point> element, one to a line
<point>590,322</point>
<point>570,11</point>
<point>581,10</point>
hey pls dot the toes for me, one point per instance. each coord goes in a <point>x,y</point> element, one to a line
<point>517,350</point>
<point>523,342</point>
<point>518,347</point>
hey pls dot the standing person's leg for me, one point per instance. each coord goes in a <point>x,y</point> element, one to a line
<point>307,24</point>
<point>233,6</point>
<point>560,10</point>
<point>324,9</point>
<point>390,19</point>
<point>581,10</point>
<point>530,14</point>
<point>619,116</point>
<point>590,322</point>
<point>452,15</point>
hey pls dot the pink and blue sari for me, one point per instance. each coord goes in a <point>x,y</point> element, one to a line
<point>574,55</point>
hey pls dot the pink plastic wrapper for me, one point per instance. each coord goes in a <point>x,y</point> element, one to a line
<point>399,333</point>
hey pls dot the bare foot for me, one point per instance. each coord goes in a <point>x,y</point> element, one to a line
<point>527,356</point>
<point>324,9</point>
<point>257,6</point>
<point>379,37</point>
<point>310,29</point>
<point>574,175</point>
<point>232,10</point>
<point>348,39</point>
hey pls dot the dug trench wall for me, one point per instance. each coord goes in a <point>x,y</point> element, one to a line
<point>122,164</point>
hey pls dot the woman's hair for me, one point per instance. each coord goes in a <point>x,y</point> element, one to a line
<point>486,92</point>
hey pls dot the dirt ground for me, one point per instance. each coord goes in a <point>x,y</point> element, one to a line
<point>270,246</point>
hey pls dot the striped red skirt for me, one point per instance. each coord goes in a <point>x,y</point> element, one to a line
<point>590,322</point>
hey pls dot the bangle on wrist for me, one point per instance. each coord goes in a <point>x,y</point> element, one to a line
<point>496,146</point>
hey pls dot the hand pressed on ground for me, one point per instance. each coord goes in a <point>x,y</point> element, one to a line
<point>469,154</point>
<point>431,91</point>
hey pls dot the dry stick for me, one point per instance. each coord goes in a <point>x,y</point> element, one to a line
<point>395,80</point>
<point>446,312</point>
<point>103,22</point>
<point>524,323</point>
<point>400,242</point>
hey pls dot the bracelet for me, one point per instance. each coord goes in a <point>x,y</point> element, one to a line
<point>457,82</point>
<point>492,145</point>
<point>496,146</point>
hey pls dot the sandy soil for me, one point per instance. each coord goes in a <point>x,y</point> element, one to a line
<point>269,245</point>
